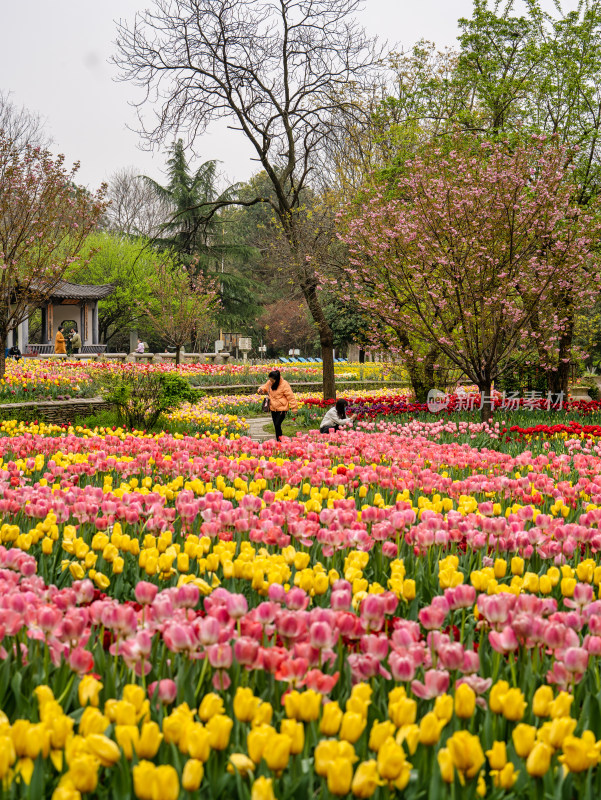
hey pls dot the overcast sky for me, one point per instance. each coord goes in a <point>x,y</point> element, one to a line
<point>55,60</point>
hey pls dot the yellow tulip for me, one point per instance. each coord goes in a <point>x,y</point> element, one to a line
<point>497,755</point>
<point>340,776</point>
<point>505,778</point>
<point>134,694</point>
<point>445,763</point>
<point>466,752</point>
<point>353,725</point>
<point>560,707</point>
<point>66,790</point>
<point>83,771</point>
<point>366,779</point>
<point>401,782</point>
<point>262,789</point>
<point>296,733</point>
<point>403,711</point>
<point>500,567</point>
<point>465,701</point>
<point>409,735</point>
<point>8,755</point>
<point>219,728</point>
<point>174,725</point>
<point>391,758</point>
<point>496,697</point>
<point>539,760</point>
<point>277,753</point>
<point>325,753</point>
<point>35,741</point>
<point>165,783</point>
<point>524,737</point>
<point>61,728</point>
<point>517,565</point>
<point>143,774</point>
<point>198,741</point>
<point>192,775</point>
<point>210,706</point>
<point>105,750</point>
<point>380,731</point>
<point>330,719</point>
<point>328,750</point>
<point>541,702</point>
<point>309,706</point>
<point>558,730</point>
<point>263,714</point>
<point>580,754</point>
<point>241,763</point>
<point>257,740</point>
<point>430,727</point>
<point>44,695</point>
<point>443,707</point>
<point>245,704</point>
<point>127,737</point>
<point>514,705</point>
<point>150,740</point>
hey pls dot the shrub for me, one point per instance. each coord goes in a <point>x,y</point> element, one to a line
<point>142,397</point>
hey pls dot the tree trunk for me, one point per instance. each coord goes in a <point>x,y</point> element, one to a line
<point>3,335</point>
<point>486,409</point>
<point>178,351</point>
<point>326,338</point>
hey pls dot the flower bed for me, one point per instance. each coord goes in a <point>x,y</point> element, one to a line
<point>362,614</point>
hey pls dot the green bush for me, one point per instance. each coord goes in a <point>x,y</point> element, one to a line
<point>141,398</point>
<point>176,389</point>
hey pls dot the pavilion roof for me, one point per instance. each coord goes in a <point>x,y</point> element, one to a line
<point>77,291</point>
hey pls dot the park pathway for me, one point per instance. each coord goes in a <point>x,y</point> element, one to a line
<point>255,429</point>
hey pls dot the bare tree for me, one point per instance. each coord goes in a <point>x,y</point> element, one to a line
<point>134,207</point>
<point>21,126</point>
<point>278,71</point>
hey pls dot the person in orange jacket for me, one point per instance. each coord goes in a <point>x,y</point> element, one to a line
<point>60,344</point>
<point>281,399</point>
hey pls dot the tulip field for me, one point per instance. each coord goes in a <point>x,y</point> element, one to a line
<point>409,609</point>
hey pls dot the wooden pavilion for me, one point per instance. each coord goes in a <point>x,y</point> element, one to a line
<point>69,302</point>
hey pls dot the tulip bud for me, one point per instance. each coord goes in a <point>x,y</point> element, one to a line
<point>262,789</point>
<point>340,776</point>
<point>465,701</point>
<point>192,775</point>
<point>539,760</point>
<point>277,752</point>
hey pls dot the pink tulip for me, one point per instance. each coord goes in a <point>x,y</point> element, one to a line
<point>504,641</point>
<point>436,682</point>
<point>165,689</point>
<point>402,667</point>
<point>246,650</point>
<point>145,592</point>
<point>432,618</point>
<point>576,660</point>
<point>220,656</point>
<point>81,660</point>
<point>236,605</point>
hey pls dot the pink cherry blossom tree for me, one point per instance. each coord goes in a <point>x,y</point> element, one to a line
<point>470,252</point>
<point>44,221</point>
<point>181,308</point>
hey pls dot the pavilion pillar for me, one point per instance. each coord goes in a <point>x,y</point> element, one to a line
<point>95,323</point>
<point>44,312</point>
<point>82,322</point>
<point>24,334</point>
